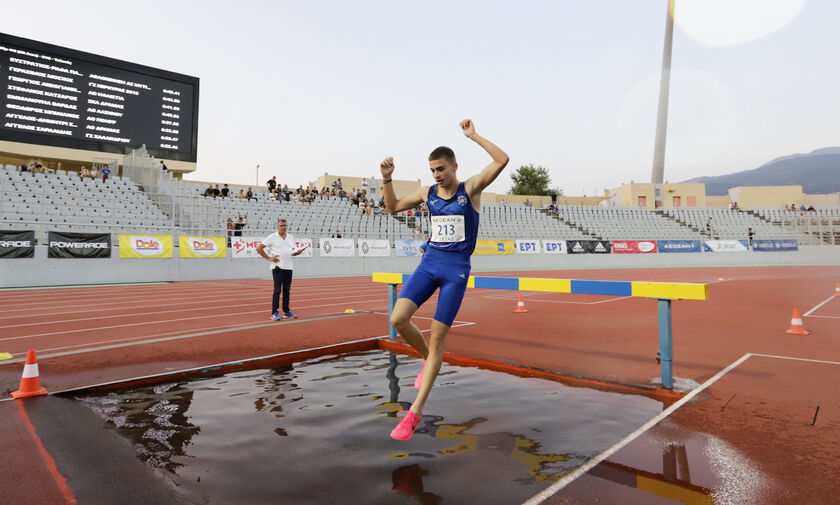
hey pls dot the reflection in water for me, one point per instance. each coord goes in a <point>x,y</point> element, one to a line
<point>153,418</point>
<point>408,481</point>
<point>674,482</point>
<point>332,416</point>
<point>539,467</point>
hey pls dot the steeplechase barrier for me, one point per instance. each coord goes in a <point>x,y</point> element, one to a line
<point>663,292</point>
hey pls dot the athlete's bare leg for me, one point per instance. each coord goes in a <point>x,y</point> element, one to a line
<point>434,359</point>
<point>401,319</point>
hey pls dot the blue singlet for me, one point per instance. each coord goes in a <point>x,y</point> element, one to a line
<point>446,264</point>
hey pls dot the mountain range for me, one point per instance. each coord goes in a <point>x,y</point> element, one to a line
<point>817,172</point>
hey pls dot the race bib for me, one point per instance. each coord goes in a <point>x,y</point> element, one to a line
<point>448,229</point>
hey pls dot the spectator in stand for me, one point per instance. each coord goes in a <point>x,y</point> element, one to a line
<point>272,196</point>
<point>240,223</point>
<point>338,183</point>
<point>163,166</point>
<point>342,194</point>
<point>106,174</point>
<point>811,209</point>
<point>209,191</point>
<point>272,183</point>
<point>503,203</point>
<point>250,194</point>
<point>793,207</point>
<point>362,203</point>
<point>554,199</point>
<point>230,229</point>
<point>417,232</point>
<point>84,172</point>
<point>750,235</point>
<point>217,191</point>
<point>709,227</point>
<point>241,194</point>
<point>528,203</point>
<point>337,234</point>
<point>225,191</point>
<point>365,186</point>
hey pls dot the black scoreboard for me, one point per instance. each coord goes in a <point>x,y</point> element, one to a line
<point>51,95</point>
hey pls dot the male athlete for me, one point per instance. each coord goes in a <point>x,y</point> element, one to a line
<point>453,207</point>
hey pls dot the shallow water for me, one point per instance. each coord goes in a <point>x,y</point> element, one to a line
<point>318,432</point>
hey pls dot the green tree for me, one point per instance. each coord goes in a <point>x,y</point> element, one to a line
<point>531,180</point>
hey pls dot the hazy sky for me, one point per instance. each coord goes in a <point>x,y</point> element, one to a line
<point>307,87</point>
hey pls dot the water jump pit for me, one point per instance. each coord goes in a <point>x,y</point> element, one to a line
<point>317,431</point>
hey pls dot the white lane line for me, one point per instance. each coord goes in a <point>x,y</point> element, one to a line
<point>176,296</point>
<point>565,481</point>
<point>164,337</point>
<point>561,301</point>
<point>798,359</point>
<point>172,320</point>
<point>818,306</point>
<point>827,317</point>
<point>134,314</point>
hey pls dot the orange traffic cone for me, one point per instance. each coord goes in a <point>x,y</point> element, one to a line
<point>30,383</point>
<point>837,289</point>
<point>520,306</point>
<point>796,327</point>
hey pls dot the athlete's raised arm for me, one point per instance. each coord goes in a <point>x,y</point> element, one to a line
<point>477,183</point>
<point>392,204</point>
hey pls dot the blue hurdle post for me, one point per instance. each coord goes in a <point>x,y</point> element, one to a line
<point>392,300</point>
<point>666,341</point>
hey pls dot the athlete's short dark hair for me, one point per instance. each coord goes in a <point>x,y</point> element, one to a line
<point>443,153</point>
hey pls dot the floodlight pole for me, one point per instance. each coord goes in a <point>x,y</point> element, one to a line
<point>657,174</point>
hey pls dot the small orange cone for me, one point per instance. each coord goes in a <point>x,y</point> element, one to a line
<point>30,383</point>
<point>796,327</point>
<point>520,306</point>
<point>837,289</point>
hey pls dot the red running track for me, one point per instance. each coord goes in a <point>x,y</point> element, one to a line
<point>89,335</point>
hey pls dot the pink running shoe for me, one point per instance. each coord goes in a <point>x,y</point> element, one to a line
<point>419,379</point>
<point>406,428</point>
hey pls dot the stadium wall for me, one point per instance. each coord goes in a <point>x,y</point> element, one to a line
<point>41,271</point>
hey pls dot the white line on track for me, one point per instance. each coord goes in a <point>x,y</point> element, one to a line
<point>568,479</point>
<point>818,306</point>
<point>377,300</point>
<point>827,317</point>
<point>176,296</point>
<point>204,307</point>
<point>558,301</point>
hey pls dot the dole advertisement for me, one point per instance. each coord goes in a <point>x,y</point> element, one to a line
<point>201,247</point>
<point>145,246</point>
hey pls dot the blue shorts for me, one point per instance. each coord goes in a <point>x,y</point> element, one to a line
<point>439,269</point>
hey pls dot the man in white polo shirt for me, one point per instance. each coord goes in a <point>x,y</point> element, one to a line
<point>278,248</point>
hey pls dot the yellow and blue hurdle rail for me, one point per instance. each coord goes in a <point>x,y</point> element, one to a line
<point>664,292</point>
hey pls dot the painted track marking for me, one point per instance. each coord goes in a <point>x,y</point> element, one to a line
<point>818,306</point>
<point>569,478</point>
